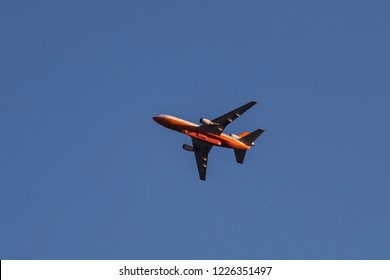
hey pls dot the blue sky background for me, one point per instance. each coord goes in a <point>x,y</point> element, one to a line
<point>86,174</point>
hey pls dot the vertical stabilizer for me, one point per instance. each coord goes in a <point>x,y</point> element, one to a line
<point>245,133</point>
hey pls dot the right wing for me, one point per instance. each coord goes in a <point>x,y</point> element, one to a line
<point>221,122</point>
<point>201,151</point>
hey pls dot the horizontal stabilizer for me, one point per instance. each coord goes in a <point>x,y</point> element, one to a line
<point>240,155</point>
<point>251,137</point>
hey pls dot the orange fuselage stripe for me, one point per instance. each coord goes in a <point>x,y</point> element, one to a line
<point>193,130</point>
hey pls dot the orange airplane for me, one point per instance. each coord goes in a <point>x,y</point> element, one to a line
<point>209,134</point>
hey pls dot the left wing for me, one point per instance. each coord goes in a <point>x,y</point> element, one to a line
<point>221,122</point>
<point>201,151</point>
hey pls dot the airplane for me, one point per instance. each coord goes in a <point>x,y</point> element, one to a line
<point>210,133</point>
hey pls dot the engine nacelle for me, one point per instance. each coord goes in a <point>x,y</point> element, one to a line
<point>235,136</point>
<point>188,148</point>
<point>206,121</point>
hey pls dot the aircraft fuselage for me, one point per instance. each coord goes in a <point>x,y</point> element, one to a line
<point>192,130</point>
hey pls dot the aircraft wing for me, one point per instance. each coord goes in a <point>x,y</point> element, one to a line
<point>221,122</point>
<point>201,151</point>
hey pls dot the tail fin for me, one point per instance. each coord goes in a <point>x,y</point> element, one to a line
<point>251,137</point>
<point>245,133</point>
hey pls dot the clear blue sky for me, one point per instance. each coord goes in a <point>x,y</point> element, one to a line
<point>85,173</point>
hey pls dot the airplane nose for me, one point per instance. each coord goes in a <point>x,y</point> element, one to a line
<point>157,118</point>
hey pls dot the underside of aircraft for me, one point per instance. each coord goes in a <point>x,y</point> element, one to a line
<point>210,133</point>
